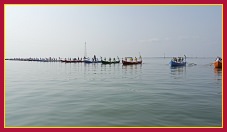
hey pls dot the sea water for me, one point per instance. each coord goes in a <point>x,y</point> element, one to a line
<point>152,94</point>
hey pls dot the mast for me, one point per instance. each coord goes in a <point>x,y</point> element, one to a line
<point>85,51</point>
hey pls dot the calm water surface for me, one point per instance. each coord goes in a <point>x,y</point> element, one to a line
<point>78,94</point>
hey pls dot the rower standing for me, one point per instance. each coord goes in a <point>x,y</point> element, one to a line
<point>94,57</point>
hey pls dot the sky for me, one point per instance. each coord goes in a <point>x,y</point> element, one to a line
<point>110,31</point>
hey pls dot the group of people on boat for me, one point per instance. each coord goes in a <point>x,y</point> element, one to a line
<point>74,59</point>
<point>178,59</point>
<point>94,59</point>
<point>218,59</point>
<point>110,60</point>
<point>131,59</point>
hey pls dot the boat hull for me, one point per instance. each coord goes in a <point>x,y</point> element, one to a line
<point>217,64</point>
<point>131,63</point>
<point>173,63</point>
<point>72,61</point>
<point>107,62</point>
<point>87,61</point>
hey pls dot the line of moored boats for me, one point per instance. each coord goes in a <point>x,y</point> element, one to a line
<point>175,61</point>
<point>125,61</point>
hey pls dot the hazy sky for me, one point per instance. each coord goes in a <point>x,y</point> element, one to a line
<point>110,31</point>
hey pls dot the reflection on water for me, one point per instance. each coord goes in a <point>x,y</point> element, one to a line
<point>131,67</point>
<point>132,71</point>
<point>178,70</point>
<point>218,71</point>
<point>110,67</point>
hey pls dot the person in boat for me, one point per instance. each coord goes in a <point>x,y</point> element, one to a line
<point>105,59</point>
<point>109,59</point>
<point>175,59</point>
<point>179,59</point>
<point>125,58</point>
<point>135,59</point>
<point>218,58</point>
<point>101,58</point>
<point>114,60</point>
<point>140,58</point>
<point>131,59</point>
<point>94,58</point>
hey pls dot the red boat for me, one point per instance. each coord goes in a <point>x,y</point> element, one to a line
<point>131,62</point>
<point>217,64</point>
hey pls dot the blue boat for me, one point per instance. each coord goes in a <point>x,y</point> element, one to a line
<point>174,63</point>
<point>178,61</point>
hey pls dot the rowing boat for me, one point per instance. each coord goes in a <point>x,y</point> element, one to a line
<point>131,62</point>
<point>217,64</point>
<point>180,61</point>
<point>110,62</point>
<point>174,63</point>
<point>88,61</point>
<point>71,61</point>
